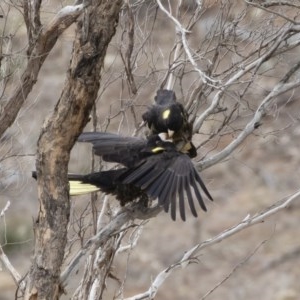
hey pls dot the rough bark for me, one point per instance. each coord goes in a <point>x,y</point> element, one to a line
<point>59,133</point>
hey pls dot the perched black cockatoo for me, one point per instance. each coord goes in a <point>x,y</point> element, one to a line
<point>169,120</point>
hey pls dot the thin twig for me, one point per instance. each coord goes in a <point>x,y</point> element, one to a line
<point>264,7</point>
<point>190,255</point>
<point>183,32</point>
<point>133,211</point>
<point>239,265</point>
<point>255,122</point>
<point>4,259</point>
<point>42,47</point>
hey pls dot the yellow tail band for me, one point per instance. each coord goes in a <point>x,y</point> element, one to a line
<point>81,188</point>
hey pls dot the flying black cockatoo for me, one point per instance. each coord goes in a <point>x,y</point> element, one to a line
<point>152,168</point>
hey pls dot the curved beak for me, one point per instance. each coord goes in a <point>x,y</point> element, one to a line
<point>170,133</point>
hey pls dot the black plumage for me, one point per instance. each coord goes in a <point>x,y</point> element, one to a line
<point>108,182</point>
<point>152,167</point>
<point>168,117</point>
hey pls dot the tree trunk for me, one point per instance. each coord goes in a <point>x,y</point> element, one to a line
<point>59,133</point>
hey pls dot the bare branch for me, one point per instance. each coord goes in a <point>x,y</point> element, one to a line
<point>4,259</point>
<point>128,41</point>
<point>183,32</point>
<point>133,240</point>
<point>32,21</point>
<point>261,112</point>
<point>133,211</point>
<point>235,77</point>
<point>6,207</point>
<point>247,222</point>
<point>279,3</point>
<point>239,265</point>
<point>44,43</point>
<point>12,271</point>
<point>189,255</point>
<point>263,7</point>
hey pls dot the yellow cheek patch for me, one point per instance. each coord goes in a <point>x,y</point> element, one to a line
<point>157,149</point>
<point>165,114</point>
<point>80,188</point>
